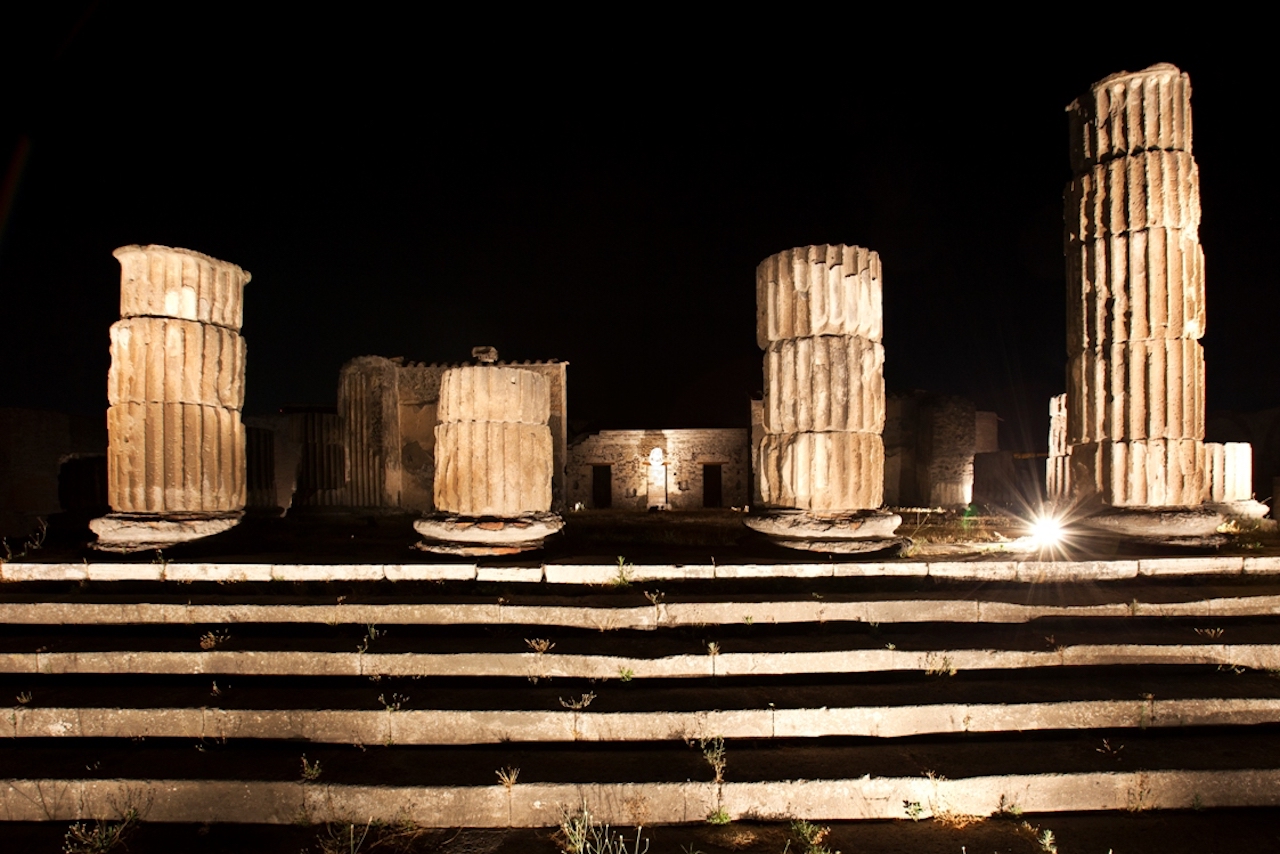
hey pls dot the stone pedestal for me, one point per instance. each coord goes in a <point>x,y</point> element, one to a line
<point>1135,280</point>
<point>176,444</point>
<point>493,463</point>
<point>821,459</point>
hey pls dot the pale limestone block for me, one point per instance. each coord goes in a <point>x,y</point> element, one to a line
<point>175,458</point>
<point>1150,189</point>
<point>163,360</point>
<point>824,383</point>
<point>1130,112</point>
<point>1150,473</point>
<point>1058,445</point>
<point>491,393</point>
<point>1150,389</point>
<point>159,281</point>
<point>1228,471</point>
<point>1148,284</point>
<point>493,468</point>
<point>822,472</point>
<point>818,290</point>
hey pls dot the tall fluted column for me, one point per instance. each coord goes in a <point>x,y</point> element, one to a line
<point>1135,285</point>
<point>821,465</point>
<point>494,463</point>
<point>176,444</point>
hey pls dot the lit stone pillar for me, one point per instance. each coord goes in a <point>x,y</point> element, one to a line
<point>1057,467</point>
<point>494,462</point>
<point>176,444</point>
<point>821,460</point>
<point>1135,280</point>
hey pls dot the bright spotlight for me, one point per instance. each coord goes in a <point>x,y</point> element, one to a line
<point>1046,531</point>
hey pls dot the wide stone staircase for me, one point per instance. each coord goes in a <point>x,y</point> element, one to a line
<point>514,695</point>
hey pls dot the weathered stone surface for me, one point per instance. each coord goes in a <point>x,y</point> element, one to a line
<point>1131,112</point>
<point>1058,465</point>
<point>159,281</point>
<point>494,394</point>
<point>1162,524</point>
<point>1148,284</point>
<point>175,457</point>
<point>1151,389</point>
<point>493,469</point>
<point>164,360</point>
<point>846,533</point>
<point>824,383</point>
<point>123,533</point>
<point>1151,473</point>
<point>453,535</point>
<point>1150,189</point>
<point>1228,471</point>
<point>818,290</point>
<point>822,472</point>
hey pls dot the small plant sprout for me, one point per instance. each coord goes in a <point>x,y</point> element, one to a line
<point>655,597</point>
<point>939,665</point>
<point>579,704</point>
<point>713,649</point>
<point>395,703</point>
<point>713,751</point>
<point>748,619</point>
<point>540,646</point>
<point>718,816</point>
<point>1213,634</point>
<point>810,836</point>
<point>508,776</point>
<point>581,833</point>
<point>626,674</point>
<point>213,640</point>
<point>914,809</point>
<point>24,698</point>
<point>1107,749</point>
<point>1047,842</point>
<point>310,770</point>
<point>623,578</point>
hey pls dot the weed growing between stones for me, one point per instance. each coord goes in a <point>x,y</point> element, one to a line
<point>623,578</point>
<point>99,837</point>
<point>810,836</point>
<point>33,543</point>
<point>718,817</point>
<point>310,770</point>
<point>581,833</point>
<point>213,640</point>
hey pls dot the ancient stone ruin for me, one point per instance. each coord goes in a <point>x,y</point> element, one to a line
<point>1135,283</point>
<point>692,469</point>
<point>176,445</point>
<point>821,459</point>
<point>493,463</point>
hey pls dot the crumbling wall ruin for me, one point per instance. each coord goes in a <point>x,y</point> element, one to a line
<point>686,456</point>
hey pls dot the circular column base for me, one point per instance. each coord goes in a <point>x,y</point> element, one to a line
<point>132,532</point>
<point>837,533</point>
<point>463,535</point>
<point>1173,526</point>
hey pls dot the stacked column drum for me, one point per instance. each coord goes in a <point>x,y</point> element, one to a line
<point>819,321</point>
<point>176,386</point>
<point>493,445</point>
<point>1135,285</point>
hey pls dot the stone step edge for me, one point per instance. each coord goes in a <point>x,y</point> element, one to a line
<point>453,727</point>
<point>535,666</point>
<point>543,805</point>
<point>664,614</point>
<point>604,574</point>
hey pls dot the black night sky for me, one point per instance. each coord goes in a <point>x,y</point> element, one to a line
<point>598,190</point>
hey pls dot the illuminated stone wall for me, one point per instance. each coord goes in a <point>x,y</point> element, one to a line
<point>685,455</point>
<point>819,321</point>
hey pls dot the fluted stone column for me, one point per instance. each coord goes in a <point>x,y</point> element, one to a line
<point>821,460</point>
<point>494,462</point>
<point>176,444</point>
<point>1057,467</point>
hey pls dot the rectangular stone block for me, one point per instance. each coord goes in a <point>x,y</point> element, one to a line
<point>818,290</point>
<point>493,469</point>
<point>822,472</point>
<point>174,458</point>
<point>1228,471</point>
<point>1152,389</point>
<point>826,383</point>
<point>1152,473</point>
<point>1130,112</point>
<point>1150,189</point>
<point>1147,284</point>
<point>163,360</point>
<point>1058,426</point>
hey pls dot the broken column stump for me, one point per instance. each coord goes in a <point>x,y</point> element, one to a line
<point>176,444</point>
<point>821,461</point>
<point>494,462</point>
<point>1135,283</point>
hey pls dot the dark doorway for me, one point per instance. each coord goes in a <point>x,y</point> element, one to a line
<point>712,490</point>
<point>82,485</point>
<point>602,487</point>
